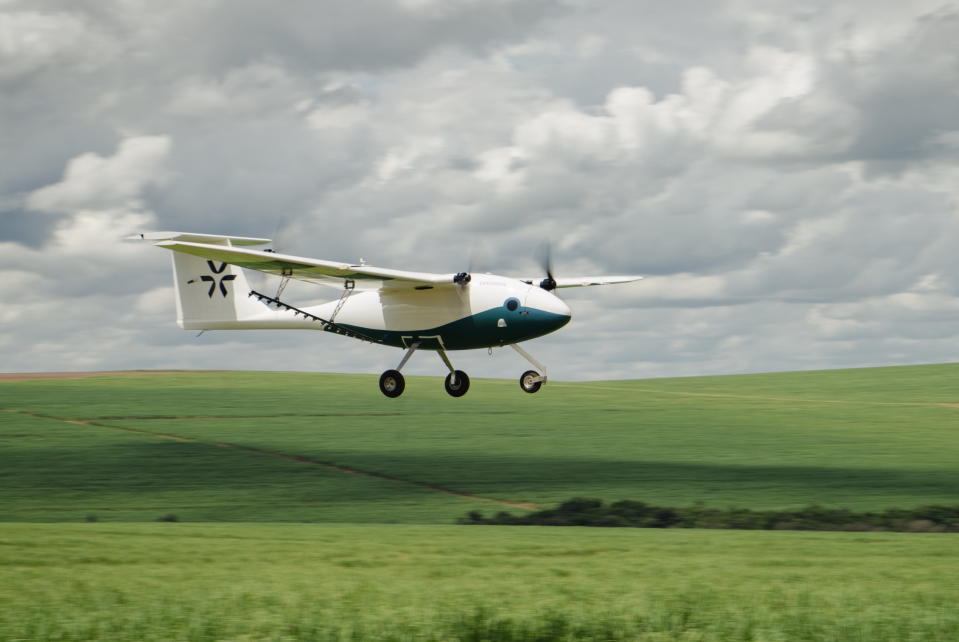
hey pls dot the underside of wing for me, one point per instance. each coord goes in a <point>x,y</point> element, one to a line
<point>363,277</point>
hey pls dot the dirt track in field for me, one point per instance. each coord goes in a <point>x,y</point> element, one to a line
<point>277,455</point>
<point>28,376</point>
<point>34,376</point>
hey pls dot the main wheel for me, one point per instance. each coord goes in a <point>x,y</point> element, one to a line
<point>529,382</point>
<point>392,383</point>
<point>460,387</point>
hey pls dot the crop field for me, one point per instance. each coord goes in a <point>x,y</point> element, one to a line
<point>309,507</point>
<point>266,447</point>
<point>414,582</point>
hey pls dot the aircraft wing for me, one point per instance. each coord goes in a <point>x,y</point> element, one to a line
<point>365,277</point>
<point>583,281</point>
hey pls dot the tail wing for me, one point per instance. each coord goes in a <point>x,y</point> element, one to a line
<point>210,295</point>
<point>189,237</point>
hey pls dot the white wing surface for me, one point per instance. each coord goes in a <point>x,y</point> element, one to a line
<point>364,277</point>
<point>583,281</point>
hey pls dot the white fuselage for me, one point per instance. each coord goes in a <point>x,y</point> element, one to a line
<point>489,311</point>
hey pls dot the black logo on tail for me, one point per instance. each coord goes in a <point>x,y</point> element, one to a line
<point>212,279</point>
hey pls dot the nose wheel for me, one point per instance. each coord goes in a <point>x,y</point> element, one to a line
<point>531,381</point>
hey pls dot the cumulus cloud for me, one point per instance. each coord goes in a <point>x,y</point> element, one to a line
<point>92,182</point>
<point>71,290</point>
<point>31,41</point>
<point>785,176</point>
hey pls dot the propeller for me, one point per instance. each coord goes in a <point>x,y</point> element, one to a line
<point>477,255</point>
<point>546,261</point>
<point>284,235</point>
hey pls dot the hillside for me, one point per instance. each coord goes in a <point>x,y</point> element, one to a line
<point>262,446</point>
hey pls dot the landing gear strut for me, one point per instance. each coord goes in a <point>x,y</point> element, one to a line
<point>530,381</point>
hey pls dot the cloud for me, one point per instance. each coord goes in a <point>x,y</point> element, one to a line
<point>97,202</point>
<point>365,35</point>
<point>784,176</point>
<point>92,182</point>
<point>31,41</point>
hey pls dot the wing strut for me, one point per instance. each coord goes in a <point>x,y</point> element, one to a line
<point>348,286</point>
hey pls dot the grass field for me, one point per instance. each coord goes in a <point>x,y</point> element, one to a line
<point>414,582</point>
<point>383,480</point>
<point>266,446</point>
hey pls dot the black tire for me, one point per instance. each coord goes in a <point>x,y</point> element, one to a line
<point>462,384</point>
<point>392,383</point>
<point>527,384</point>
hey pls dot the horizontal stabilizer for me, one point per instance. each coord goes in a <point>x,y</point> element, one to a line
<point>212,239</point>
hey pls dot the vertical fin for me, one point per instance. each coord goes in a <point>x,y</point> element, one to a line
<point>211,295</point>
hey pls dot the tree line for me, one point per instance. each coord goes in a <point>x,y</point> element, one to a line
<point>635,514</point>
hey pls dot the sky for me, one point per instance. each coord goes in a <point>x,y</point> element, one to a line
<point>784,174</point>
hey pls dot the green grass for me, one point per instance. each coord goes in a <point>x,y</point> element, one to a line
<point>863,439</point>
<point>275,447</point>
<point>408,582</point>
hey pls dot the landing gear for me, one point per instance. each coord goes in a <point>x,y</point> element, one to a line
<point>531,381</point>
<point>392,383</point>
<point>457,383</point>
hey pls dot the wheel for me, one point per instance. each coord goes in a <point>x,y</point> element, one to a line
<point>462,384</point>
<point>529,383</point>
<point>392,383</point>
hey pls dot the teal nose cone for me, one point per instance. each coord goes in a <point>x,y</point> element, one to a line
<point>546,312</point>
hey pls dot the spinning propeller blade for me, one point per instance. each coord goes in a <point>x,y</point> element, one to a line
<point>546,261</point>
<point>463,278</point>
